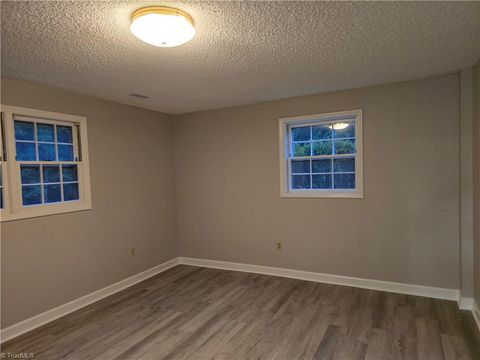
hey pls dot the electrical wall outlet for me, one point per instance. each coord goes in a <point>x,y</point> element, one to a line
<point>279,246</point>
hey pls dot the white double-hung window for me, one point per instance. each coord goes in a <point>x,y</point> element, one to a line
<point>321,155</point>
<point>45,168</point>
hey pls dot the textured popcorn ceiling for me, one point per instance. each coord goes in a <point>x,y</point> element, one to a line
<point>244,52</point>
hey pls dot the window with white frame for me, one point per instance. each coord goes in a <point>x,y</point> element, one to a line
<point>321,155</point>
<point>45,168</point>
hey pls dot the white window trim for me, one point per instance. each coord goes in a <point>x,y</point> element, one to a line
<point>284,124</point>
<point>12,196</point>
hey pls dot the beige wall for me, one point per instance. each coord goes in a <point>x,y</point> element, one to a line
<point>51,260</point>
<point>406,229</point>
<point>476,120</point>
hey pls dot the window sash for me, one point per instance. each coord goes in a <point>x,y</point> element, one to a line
<point>42,183</point>
<point>36,121</point>
<point>312,173</point>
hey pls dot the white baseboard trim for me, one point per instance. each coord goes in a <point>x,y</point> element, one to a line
<point>465,303</point>
<point>402,288</point>
<point>476,313</point>
<point>62,310</point>
<point>418,290</point>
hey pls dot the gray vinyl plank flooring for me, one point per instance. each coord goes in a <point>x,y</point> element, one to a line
<point>197,313</point>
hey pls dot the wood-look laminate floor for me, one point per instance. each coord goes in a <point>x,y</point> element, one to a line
<point>197,313</point>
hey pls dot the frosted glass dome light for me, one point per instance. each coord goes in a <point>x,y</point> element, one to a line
<point>162,26</point>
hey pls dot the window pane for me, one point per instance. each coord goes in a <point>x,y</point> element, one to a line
<point>344,165</point>
<point>45,132</point>
<point>52,193</point>
<point>24,130</point>
<point>322,148</point>
<point>69,173</point>
<point>51,174</point>
<point>300,181</point>
<point>30,174</point>
<point>345,147</point>
<point>64,134</point>
<point>344,181</point>
<point>46,152</point>
<point>31,195</point>
<point>65,152</point>
<point>301,133</point>
<point>301,149</point>
<point>300,166</point>
<point>322,166</point>
<point>70,191</point>
<point>348,131</point>
<point>26,151</point>
<point>322,181</point>
<point>321,132</point>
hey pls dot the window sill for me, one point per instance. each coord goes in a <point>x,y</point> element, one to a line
<point>322,194</point>
<point>32,212</point>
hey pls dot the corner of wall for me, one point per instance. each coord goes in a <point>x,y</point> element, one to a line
<point>476,191</point>
<point>173,119</point>
<point>466,183</point>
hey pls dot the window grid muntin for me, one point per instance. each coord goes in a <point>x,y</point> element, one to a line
<point>56,162</point>
<point>36,142</point>
<point>42,183</point>
<point>332,156</point>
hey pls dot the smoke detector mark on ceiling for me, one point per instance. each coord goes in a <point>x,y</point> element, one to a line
<point>140,96</point>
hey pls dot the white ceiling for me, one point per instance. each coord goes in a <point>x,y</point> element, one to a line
<point>244,52</point>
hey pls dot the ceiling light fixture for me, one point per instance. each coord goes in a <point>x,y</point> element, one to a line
<point>339,126</point>
<point>162,26</point>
